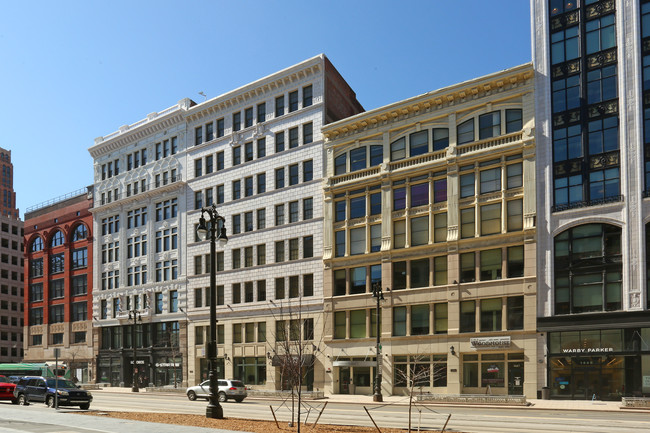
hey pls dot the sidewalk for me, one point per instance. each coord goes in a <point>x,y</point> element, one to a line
<point>585,405</point>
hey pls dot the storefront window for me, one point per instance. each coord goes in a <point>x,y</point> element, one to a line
<point>493,370</point>
<point>251,370</point>
<point>361,376</point>
<point>470,371</point>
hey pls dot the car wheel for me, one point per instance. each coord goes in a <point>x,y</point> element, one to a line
<point>49,401</point>
<point>239,400</point>
<point>222,397</point>
<point>22,400</point>
<point>191,395</point>
<point>84,406</point>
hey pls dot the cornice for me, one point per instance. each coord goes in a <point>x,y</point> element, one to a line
<point>253,91</point>
<point>153,123</point>
<point>473,90</point>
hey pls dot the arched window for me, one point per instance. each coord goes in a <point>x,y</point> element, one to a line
<point>588,269</point>
<point>57,239</point>
<point>80,232</point>
<point>37,245</point>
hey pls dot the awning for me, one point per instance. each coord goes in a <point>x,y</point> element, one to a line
<point>279,360</point>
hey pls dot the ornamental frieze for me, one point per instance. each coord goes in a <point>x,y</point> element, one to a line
<point>599,9</point>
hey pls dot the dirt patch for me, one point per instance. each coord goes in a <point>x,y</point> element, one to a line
<point>237,424</point>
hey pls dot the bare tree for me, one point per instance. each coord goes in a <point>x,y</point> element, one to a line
<point>294,351</point>
<point>419,373</point>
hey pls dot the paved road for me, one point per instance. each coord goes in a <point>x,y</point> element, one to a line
<point>464,419</point>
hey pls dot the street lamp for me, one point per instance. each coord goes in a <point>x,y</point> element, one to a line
<point>213,229</point>
<point>134,315</point>
<point>377,293</point>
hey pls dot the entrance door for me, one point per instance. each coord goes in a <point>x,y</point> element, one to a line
<point>344,380</point>
<point>516,378</point>
<point>587,383</point>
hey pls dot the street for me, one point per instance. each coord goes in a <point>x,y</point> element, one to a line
<point>464,419</point>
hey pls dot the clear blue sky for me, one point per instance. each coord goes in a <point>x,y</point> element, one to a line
<point>71,71</point>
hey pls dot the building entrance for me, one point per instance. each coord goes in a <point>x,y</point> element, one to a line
<point>588,377</point>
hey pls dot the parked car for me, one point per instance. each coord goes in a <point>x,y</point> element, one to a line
<point>36,388</point>
<point>7,389</point>
<point>228,389</point>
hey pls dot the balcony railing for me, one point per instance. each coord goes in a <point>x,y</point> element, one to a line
<point>587,203</point>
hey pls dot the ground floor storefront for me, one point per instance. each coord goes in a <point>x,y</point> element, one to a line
<point>151,369</point>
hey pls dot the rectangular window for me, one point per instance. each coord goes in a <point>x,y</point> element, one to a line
<point>236,155</point>
<point>375,238</point>
<point>261,290</point>
<point>358,324</point>
<point>440,271</point>
<point>399,234</point>
<point>220,127</point>
<point>198,136</point>
<point>307,247</point>
<point>307,170</point>
<point>515,215</point>
<point>516,261</point>
<point>467,229</point>
<point>339,247</point>
<point>236,189</point>
<point>467,316</point>
<point>399,275</point>
<point>358,241</point>
<point>248,117</point>
<point>465,132</point>
<point>514,120</point>
<point>515,313</point>
<point>491,180</point>
<point>440,227</point>
<point>279,251</point>
<point>491,264</point>
<point>399,321</point>
<point>220,160</point>
<point>236,293</point>
<point>249,294</point>
<point>236,121</point>
<point>294,286</point>
<point>514,176</point>
<point>467,188</point>
<point>279,106</point>
<point>440,318</point>
<point>279,142</point>
<point>294,249</point>
<point>279,214</point>
<point>279,178</point>
<point>440,138</point>
<point>248,186</point>
<point>307,133</point>
<point>467,268</point>
<point>490,219</point>
<point>261,219</point>
<point>420,319</point>
<point>491,315</point>
<point>307,96</point>
<point>308,285</point>
<point>293,174</point>
<point>279,288</point>
<point>209,132</point>
<point>419,231</point>
<point>489,125</point>
<point>293,138</point>
<point>419,143</point>
<point>339,325</point>
<point>261,112</point>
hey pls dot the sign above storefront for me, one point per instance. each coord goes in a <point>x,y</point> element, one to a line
<point>589,350</point>
<point>489,342</point>
<point>168,364</point>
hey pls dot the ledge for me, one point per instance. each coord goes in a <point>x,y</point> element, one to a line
<point>510,400</point>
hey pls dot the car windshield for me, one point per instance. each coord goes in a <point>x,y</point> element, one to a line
<point>62,383</point>
<point>4,379</point>
<point>237,383</point>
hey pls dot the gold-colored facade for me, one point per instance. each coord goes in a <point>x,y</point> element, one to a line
<point>434,198</point>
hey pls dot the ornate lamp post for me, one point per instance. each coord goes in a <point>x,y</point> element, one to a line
<point>379,295</point>
<point>214,229</point>
<point>134,315</point>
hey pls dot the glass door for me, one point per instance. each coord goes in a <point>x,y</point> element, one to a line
<point>344,380</point>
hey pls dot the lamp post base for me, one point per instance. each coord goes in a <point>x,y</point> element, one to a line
<point>377,398</point>
<point>214,411</point>
<point>135,389</point>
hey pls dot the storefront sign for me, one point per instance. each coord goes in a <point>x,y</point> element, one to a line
<point>589,350</point>
<point>489,342</point>
<point>138,362</point>
<point>168,364</point>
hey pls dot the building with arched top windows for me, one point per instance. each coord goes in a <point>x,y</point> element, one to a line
<point>58,239</point>
<point>591,60</point>
<point>433,199</point>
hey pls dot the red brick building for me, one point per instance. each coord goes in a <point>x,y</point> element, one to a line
<point>58,282</point>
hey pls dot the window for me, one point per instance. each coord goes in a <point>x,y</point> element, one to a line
<point>79,311</point>
<point>220,194</point>
<point>491,180</point>
<point>279,178</point>
<point>236,121</point>
<point>56,313</point>
<point>399,321</point>
<point>279,214</point>
<point>293,174</point>
<point>600,34</point>
<point>236,258</point>
<point>36,292</point>
<point>279,251</point>
<point>398,149</point>
<point>491,314</point>
<point>279,142</point>
<point>515,261</point>
<point>419,273</point>
<point>166,270</point>
<point>293,138</point>
<point>248,117</point>
<point>440,190</point>
<point>307,96</point>
<point>37,245</point>
<point>565,45</point>
<point>340,210</point>
<point>58,239</point>
<point>261,147</point>
<point>467,229</point>
<point>279,106</point>
<point>261,112</point>
<point>358,159</point>
<point>339,325</point>
<point>419,231</point>
<point>440,138</point>
<point>419,194</point>
<point>467,268</point>
<point>36,316</point>
<point>489,125</point>
<point>465,132</point>
<point>307,133</point>
<point>36,267</point>
<point>490,219</point>
<point>261,291</point>
<point>440,318</point>
<point>261,254</point>
<point>220,160</point>
<point>420,319</point>
<point>307,170</point>
<point>490,265</point>
<point>279,288</point>
<point>418,143</point>
<point>293,249</point>
<point>339,243</point>
<point>340,164</point>
<point>80,258</point>
<point>467,316</point>
<point>293,101</point>
<point>57,263</point>
<point>358,324</point>
<point>236,189</point>
<point>248,186</point>
<point>515,312</point>
<point>80,232</point>
<point>308,285</point>
<point>603,135</point>
<point>198,135</point>
<point>236,155</point>
<point>515,215</point>
<point>261,219</point>
<point>514,120</point>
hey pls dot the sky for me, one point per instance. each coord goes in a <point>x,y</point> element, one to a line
<point>71,71</point>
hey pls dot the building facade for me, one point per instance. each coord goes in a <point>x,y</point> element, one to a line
<point>8,207</point>
<point>256,154</point>
<point>591,60</point>
<point>58,286</point>
<point>433,199</point>
<point>140,273</point>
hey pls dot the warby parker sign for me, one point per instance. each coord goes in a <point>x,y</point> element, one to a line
<point>589,350</point>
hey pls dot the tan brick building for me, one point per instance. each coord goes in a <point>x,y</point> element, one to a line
<point>434,198</point>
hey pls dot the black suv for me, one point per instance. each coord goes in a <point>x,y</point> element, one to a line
<point>36,388</point>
